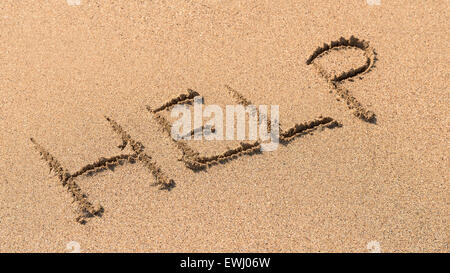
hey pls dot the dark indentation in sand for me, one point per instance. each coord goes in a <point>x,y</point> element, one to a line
<point>161,178</point>
<point>181,99</point>
<point>307,127</point>
<point>86,209</point>
<point>335,82</point>
<point>105,163</point>
<point>237,96</point>
<point>203,128</point>
<point>194,161</point>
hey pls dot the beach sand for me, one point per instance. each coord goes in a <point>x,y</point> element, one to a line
<point>65,67</point>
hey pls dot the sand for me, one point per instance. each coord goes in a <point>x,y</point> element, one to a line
<point>366,161</point>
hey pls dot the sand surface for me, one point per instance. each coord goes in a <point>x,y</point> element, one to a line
<point>63,68</point>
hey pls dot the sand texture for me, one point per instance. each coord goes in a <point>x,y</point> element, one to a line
<point>86,154</point>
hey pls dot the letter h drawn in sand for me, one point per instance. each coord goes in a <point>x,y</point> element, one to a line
<point>85,208</point>
<point>191,158</point>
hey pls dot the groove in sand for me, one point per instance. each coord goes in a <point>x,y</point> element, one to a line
<point>181,99</point>
<point>192,159</point>
<point>335,82</point>
<point>86,209</point>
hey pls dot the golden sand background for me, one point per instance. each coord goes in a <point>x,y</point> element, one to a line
<point>63,68</point>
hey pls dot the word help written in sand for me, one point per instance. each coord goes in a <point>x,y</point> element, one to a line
<point>191,158</point>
